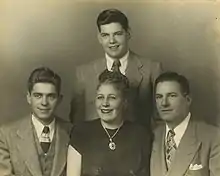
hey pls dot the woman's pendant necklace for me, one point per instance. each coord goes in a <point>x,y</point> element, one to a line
<point>111,144</point>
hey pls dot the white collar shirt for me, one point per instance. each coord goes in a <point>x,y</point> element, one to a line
<point>123,61</point>
<point>39,128</point>
<point>179,130</point>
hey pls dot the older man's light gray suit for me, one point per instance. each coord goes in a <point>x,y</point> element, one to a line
<point>198,153</point>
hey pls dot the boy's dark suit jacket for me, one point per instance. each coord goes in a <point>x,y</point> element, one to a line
<point>141,73</point>
<point>198,153</point>
<point>18,153</point>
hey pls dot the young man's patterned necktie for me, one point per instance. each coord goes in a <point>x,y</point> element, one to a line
<point>45,139</point>
<point>116,65</point>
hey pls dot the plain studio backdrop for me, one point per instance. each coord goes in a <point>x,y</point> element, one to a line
<point>183,35</point>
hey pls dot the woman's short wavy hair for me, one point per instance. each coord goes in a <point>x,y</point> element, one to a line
<point>117,79</point>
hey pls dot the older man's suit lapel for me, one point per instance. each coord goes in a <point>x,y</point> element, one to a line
<point>62,139</point>
<point>184,155</point>
<point>158,156</point>
<point>133,71</point>
<point>186,151</point>
<point>26,146</point>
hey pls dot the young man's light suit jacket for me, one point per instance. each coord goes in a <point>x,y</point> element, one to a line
<point>198,153</point>
<point>141,73</point>
<point>18,152</point>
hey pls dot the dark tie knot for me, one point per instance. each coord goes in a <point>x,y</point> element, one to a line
<point>116,64</point>
<point>45,139</point>
<point>46,129</point>
<point>171,133</point>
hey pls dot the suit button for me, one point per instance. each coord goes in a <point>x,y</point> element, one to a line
<point>131,172</point>
<point>98,170</point>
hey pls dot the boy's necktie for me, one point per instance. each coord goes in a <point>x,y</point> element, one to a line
<point>45,139</point>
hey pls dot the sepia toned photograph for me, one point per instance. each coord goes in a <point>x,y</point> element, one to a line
<point>110,88</point>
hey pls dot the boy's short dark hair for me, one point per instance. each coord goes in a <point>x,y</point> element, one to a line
<point>112,16</point>
<point>44,75</point>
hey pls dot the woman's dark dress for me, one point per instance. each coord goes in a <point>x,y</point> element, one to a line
<point>130,158</point>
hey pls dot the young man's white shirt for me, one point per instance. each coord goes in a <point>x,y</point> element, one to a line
<point>123,61</point>
<point>39,127</point>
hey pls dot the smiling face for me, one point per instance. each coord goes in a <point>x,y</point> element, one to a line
<point>109,104</point>
<point>43,100</point>
<point>114,39</point>
<point>172,104</point>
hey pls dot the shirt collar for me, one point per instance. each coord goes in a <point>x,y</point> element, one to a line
<point>180,129</point>
<point>39,127</point>
<point>123,61</point>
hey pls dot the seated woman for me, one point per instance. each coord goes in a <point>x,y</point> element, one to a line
<point>110,145</point>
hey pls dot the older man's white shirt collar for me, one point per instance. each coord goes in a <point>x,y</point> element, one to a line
<point>39,127</point>
<point>180,129</point>
<point>123,60</point>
